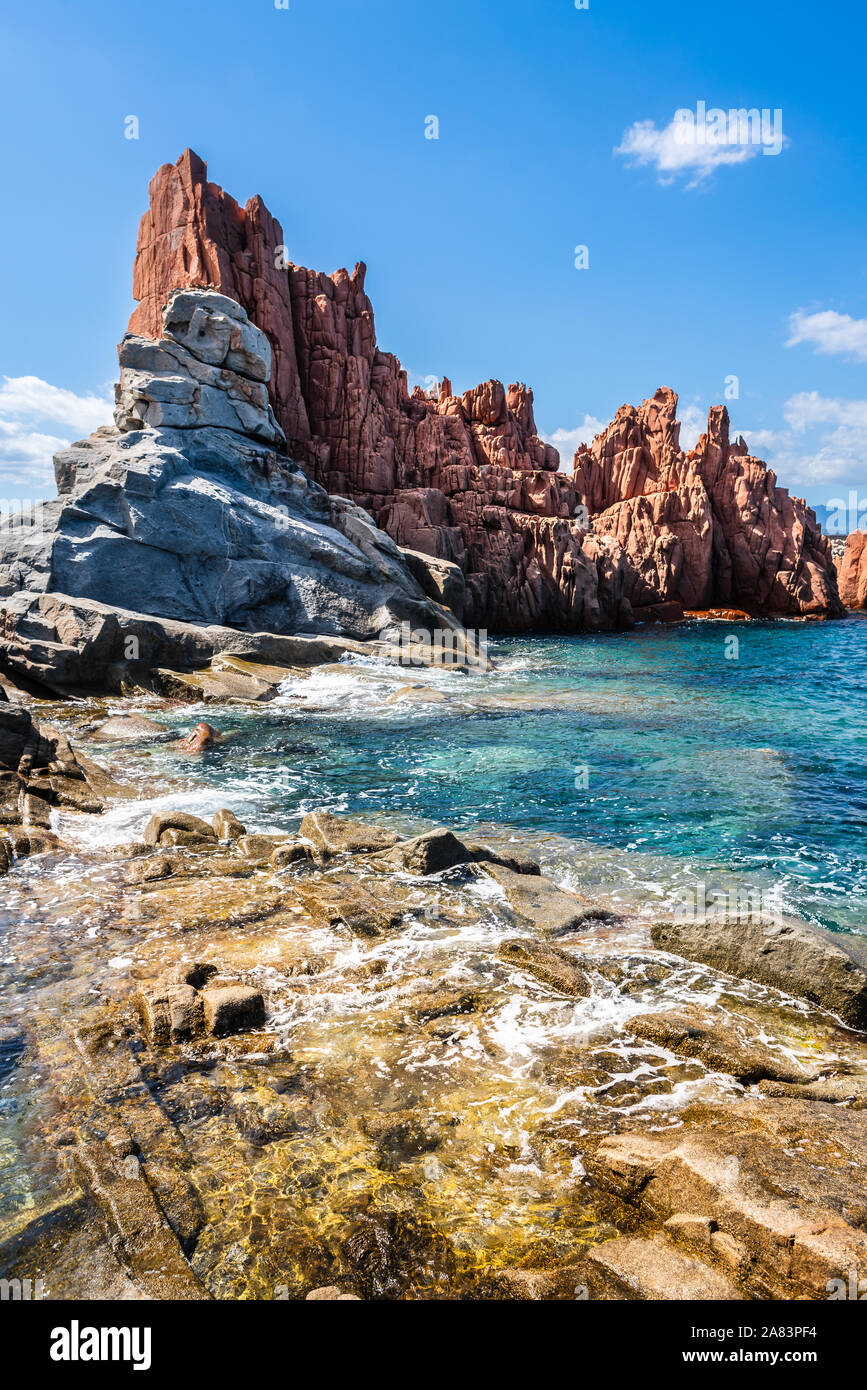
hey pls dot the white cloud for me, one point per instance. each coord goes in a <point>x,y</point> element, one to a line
<point>806,455</point>
<point>566,441</point>
<point>428,382</point>
<point>829,333</point>
<point>807,409</point>
<point>693,422</point>
<point>32,397</point>
<point>672,156</point>
<point>824,442</point>
<point>838,459</point>
<point>758,439</point>
<point>26,456</point>
<point>30,410</point>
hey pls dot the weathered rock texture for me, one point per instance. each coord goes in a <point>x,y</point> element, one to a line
<point>40,771</point>
<point>463,478</point>
<point>467,478</point>
<point>826,968</point>
<point>707,528</point>
<point>189,512</point>
<point>852,571</point>
<point>756,1201</point>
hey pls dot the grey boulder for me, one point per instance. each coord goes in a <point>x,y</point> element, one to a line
<point>188,511</point>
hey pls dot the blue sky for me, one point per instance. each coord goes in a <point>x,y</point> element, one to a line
<point>555,130</point>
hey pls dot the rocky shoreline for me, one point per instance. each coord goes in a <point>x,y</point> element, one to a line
<point>371,1060</point>
<point>281,1066</point>
<point>196,534</point>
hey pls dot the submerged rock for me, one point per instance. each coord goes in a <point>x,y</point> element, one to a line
<point>332,1293</point>
<point>213,685</point>
<point>826,968</point>
<point>695,1033</point>
<point>483,855</point>
<point>415,1119</point>
<point>161,825</point>
<point>555,968</point>
<point>535,900</point>
<point>128,728</point>
<point>791,1222</point>
<point>444,1002</point>
<point>342,835</point>
<point>147,1245</point>
<point>150,869</point>
<point>531,1285</point>
<point>220,900</point>
<point>367,910</point>
<point>393,1254</point>
<point>848,1091</point>
<point>402,1134</point>
<point>12,1044</point>
<point>265,1121</point>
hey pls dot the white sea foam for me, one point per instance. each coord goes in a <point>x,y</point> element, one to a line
<point>125,821</point>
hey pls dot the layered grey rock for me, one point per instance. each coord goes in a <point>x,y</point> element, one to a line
<point>58,641</point>
<point>210,369</point>
<point>216,330</point>
<point>188,511</point>
<point>38,771</point>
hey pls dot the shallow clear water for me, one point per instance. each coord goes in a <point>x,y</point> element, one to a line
<point>634,767</point>
<point>634,764</point>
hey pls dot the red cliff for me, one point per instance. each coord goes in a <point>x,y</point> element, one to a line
<point>852,571</point>
<point>707,528</point>
<point>467,478</point>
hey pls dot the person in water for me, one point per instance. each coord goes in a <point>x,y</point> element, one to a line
<point>203,736</point>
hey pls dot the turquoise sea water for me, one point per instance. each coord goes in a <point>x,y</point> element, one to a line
<point>632,764</point>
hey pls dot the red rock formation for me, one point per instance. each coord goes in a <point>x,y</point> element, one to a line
<point>706,528</point>
<point>852,571</point>
<point>467,478</point>
<point>463,478</point>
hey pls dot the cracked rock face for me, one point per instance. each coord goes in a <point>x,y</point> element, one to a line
<point>210,369</point>
<point>463,478</point>
<point>705,528</point>
<point>852,571</point>
<point>217,331</point>
<point>640,524</point>
<point>40,771</point>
